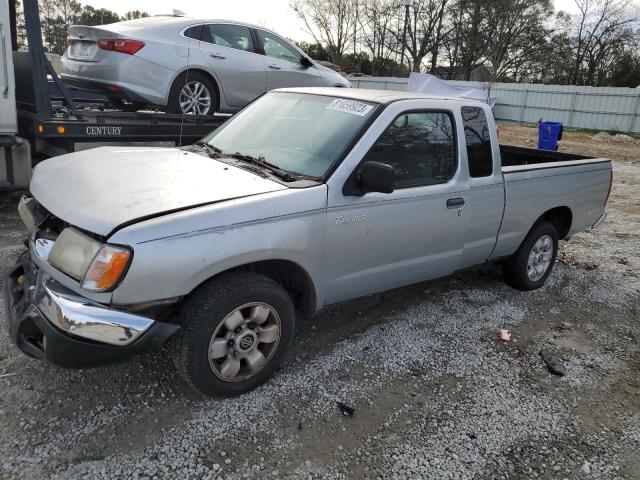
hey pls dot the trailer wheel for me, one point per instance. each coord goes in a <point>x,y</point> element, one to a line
<point>192,93</point>
<point>236,330</point>
<point>531,265</point>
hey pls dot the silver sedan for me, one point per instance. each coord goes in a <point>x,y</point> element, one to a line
<point>187,65</point>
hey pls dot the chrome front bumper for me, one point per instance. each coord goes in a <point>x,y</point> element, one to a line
<point>48,321</point>
<point>78,316</point>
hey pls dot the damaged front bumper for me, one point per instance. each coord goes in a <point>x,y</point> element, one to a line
<point>50,322</point>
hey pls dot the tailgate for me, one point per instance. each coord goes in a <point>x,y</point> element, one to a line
<point>83,43</point>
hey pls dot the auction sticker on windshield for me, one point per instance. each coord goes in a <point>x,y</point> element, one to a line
<point>350,106</point>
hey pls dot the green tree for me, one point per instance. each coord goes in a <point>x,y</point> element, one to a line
<point>134,14</point>
<point>92,16</point>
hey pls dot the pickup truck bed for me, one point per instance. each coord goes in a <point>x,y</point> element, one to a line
<point>513,156</point>
<point>541,180</point>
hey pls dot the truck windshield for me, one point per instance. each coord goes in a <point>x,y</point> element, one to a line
<point>300,133</point>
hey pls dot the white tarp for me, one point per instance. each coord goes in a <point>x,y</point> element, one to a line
<point>427,83</point>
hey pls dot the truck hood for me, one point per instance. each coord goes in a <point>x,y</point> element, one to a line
<point>103,188</point>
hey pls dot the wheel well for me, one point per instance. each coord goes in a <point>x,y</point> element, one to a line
<point>561,218</point>
<point>291,276</point>
<point>210,77</point>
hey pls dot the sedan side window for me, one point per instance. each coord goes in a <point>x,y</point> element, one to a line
<point>231,36</point>
<point>421,148</point>
<point>194,32</point>
<point>275,47</point>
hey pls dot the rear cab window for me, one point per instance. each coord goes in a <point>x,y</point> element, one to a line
<point>228,35</point>
<point>478,140</point>
<point>421,147</point>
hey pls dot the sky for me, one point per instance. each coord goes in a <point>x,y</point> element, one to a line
<point>273,14</point>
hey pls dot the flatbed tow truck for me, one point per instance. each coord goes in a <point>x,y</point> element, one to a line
<point>53,119</point>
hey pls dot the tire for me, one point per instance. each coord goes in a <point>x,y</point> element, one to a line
<point>188,81</point>
<point>205,317</point>
<point>519,272</point>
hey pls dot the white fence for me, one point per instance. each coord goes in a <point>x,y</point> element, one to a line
<point>597,108</point>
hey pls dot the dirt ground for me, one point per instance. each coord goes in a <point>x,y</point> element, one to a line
<point>435,394</point>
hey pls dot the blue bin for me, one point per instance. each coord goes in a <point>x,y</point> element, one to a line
<point>548,135</point>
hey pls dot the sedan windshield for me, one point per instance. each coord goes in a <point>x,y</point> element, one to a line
<point>300,133</point>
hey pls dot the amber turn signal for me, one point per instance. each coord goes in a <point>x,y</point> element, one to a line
<point>107,268</point>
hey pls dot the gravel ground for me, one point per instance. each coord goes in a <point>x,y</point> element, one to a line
<point>435,394</point>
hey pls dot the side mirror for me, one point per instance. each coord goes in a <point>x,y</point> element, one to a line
<point>306,62</point>
<point>377,177</point>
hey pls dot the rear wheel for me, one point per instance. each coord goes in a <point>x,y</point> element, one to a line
<point>236,329</point>
<point>531,265</point>
<point>192,93</point>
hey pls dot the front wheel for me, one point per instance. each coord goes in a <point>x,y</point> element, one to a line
<point>236,330</point>
<point>531,265</point>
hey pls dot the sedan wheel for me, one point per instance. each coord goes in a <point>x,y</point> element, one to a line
<point>195,98</point>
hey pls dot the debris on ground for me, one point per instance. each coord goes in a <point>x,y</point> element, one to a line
<point>504,335</point>
<point>623,261</point>
<point>622,138</point>
<point>554,365</point>
<point>346,410</point>
<point>569,261</point>
<point>601,137</point>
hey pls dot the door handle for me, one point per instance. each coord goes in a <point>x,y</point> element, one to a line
<point>455,203</point>
<point>5,61</point>
<point>275,67</point>
<point>217,55</point>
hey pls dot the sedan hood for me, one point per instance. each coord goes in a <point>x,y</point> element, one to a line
<point>103,188</point>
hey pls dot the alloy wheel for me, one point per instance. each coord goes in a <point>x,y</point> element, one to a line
<point>195,98</point>
<point>244,342</point>
<point>540,258</point>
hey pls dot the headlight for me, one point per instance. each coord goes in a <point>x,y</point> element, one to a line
<point>98,267</point>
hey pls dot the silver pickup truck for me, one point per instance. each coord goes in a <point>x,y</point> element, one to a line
<point>306,198</point>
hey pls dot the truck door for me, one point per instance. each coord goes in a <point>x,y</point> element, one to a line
<point>486,187</point>
<point>380,241</point>
<point>8,120</point>
<point>231,54</point>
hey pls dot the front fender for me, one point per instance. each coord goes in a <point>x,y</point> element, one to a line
<point>173,265</point>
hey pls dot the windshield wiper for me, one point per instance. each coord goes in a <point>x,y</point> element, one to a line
<point>212,151</point>
<point>215,152</point>
<point>260,161</point>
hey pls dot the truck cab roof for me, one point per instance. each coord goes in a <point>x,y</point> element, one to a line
<point>383,97</point>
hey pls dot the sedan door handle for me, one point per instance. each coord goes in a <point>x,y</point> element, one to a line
<point>217,55</point>
<point>455,203</point>
<point>275,67</point>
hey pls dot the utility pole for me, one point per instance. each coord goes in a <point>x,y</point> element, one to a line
<point>407,6</point>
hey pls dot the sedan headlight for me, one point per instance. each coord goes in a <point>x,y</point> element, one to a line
<point>98,267</point>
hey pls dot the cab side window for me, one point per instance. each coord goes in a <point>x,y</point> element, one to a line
<point>476,133</point>
<point>420,146</point>
<point>275,47</point>
<point>231,36</point>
